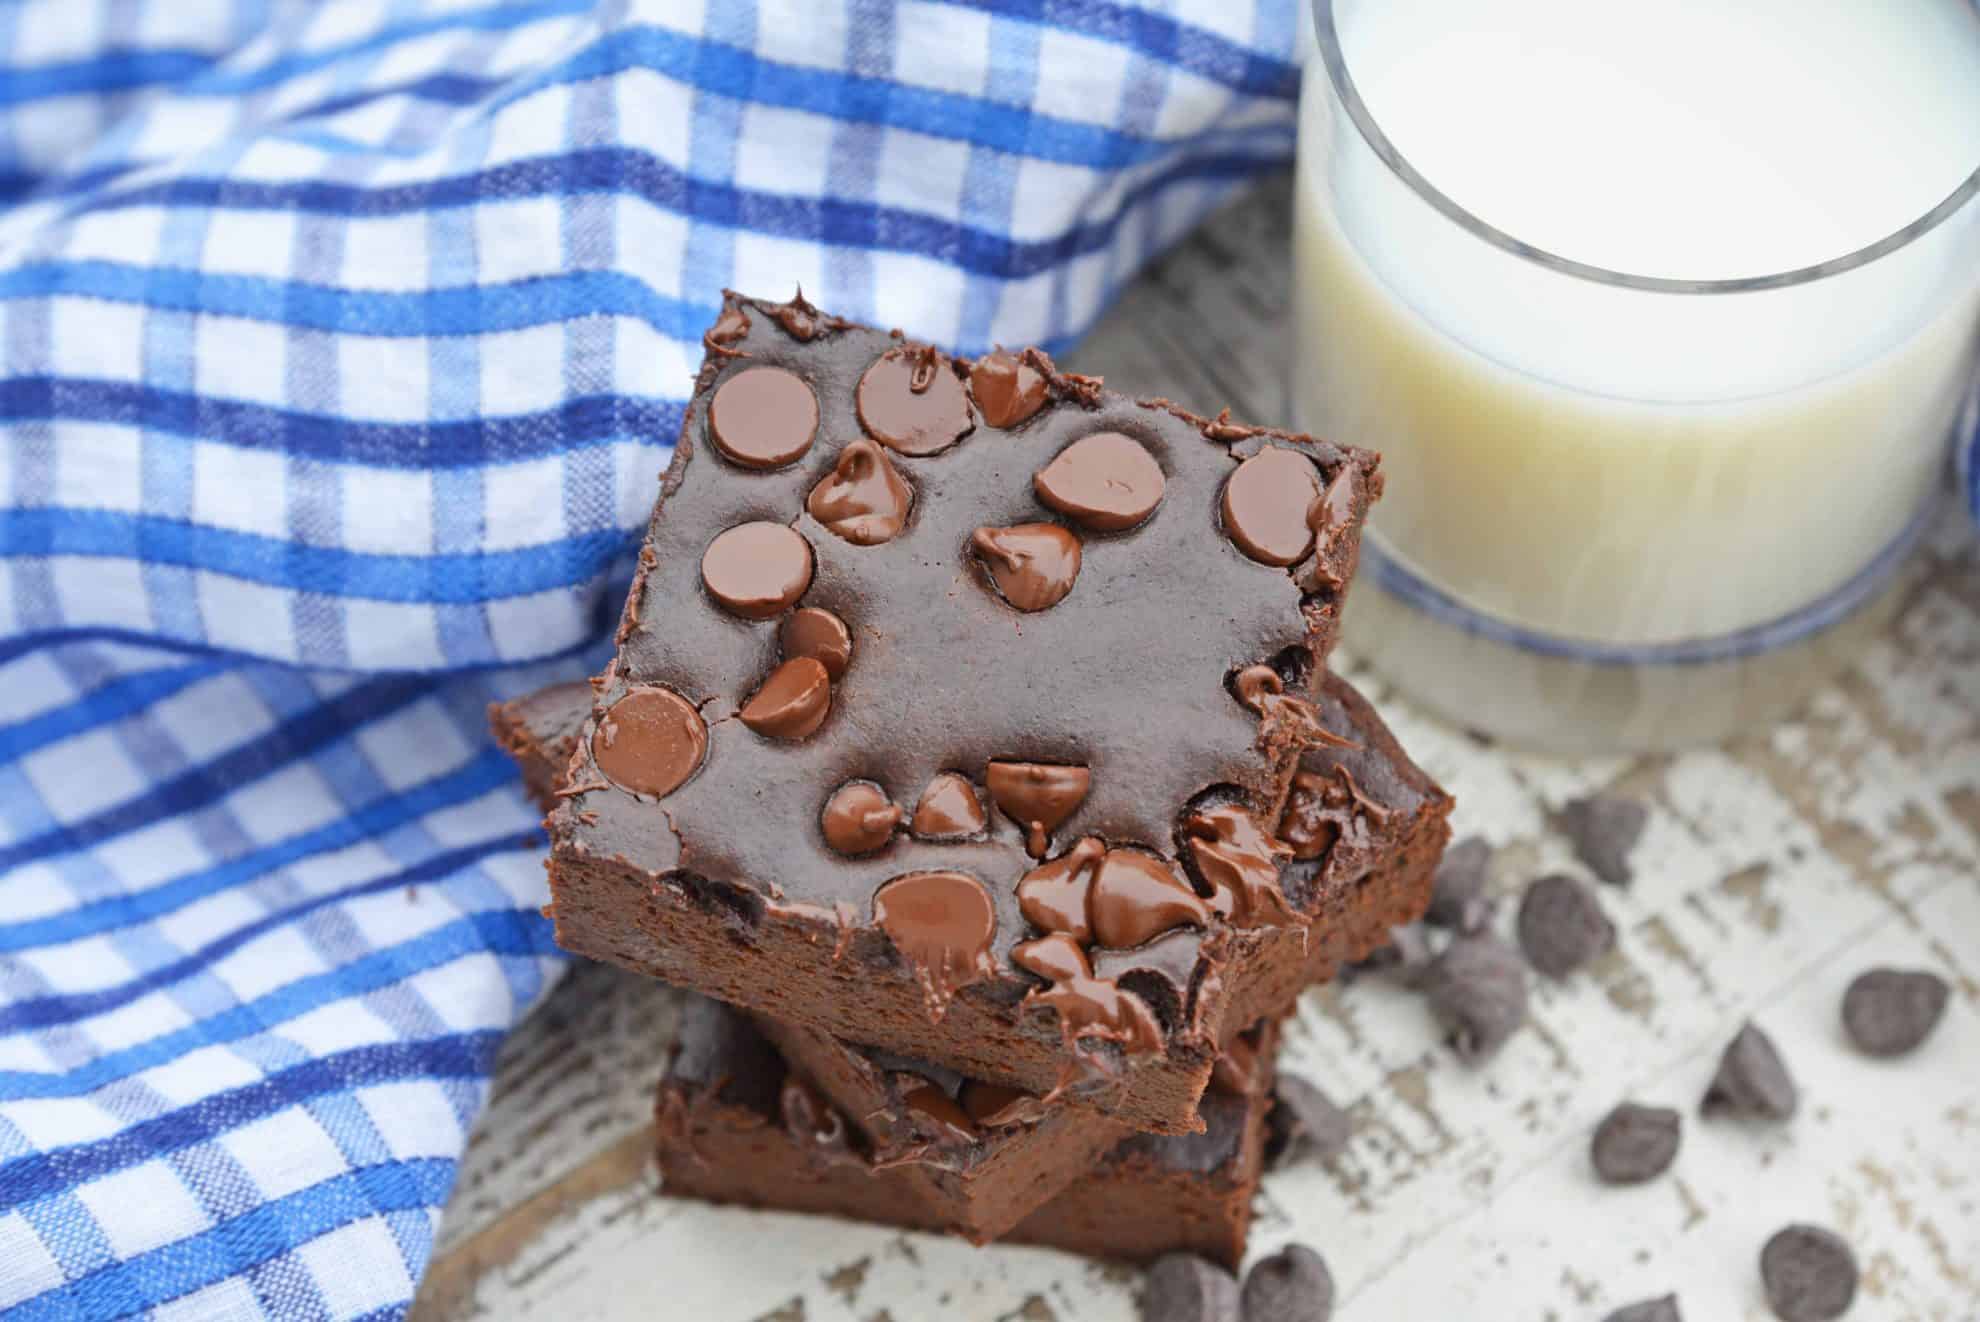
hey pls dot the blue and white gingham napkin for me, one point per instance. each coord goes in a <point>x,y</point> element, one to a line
<point>341,343</point>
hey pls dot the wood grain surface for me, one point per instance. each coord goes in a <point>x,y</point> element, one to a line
<point>1771,873</point>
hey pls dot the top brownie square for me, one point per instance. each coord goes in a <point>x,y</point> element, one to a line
<point>943,682</point>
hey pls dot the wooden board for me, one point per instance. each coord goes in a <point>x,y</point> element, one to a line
<point>1771,873</point>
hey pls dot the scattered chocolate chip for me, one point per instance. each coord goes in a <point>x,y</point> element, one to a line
<point>1752,1080</point>
<point>942,924</point>
<point>1136,896</point>
<point>1809,1273</point>
<point>910,401</point>
<point>1037,796</point>
<point>1293,1285</point>
<point>863,499</point>
<point>1477,990</point>
<point>1648,1310</point>
<point>859,818</point>
<point>1053,895</point>
<point>763,417</point>
<point>1457,897</point>
<point>1268,503</point>
<point>650,742</point>
<point>817,633</point>
<point>1562,926</point>
<point>1033,564</point>
<point>755,570</point>
<point>1635,1143</point>
<point>792,703</point>
<point>1888,1012</point>
<point>1409,952</point>
<point>1105,481</point>
<point>1008,389</point>
<point>1604,829</point>
<point>1185,1288</point>
<point>948,810</point>
<point>1304,1124</point>
<point>1240,864</point>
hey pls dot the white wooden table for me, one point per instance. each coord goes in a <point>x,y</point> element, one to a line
<point>1770,874</point>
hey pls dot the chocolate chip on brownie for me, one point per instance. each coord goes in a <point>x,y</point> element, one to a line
<point>1888,1012</point>
<point>1293,1285</point>
<point>1635,1143</point>
<point>1809,1273</point>
<point>1182,1287</point>
<point>1752,1080</point>
<point>1562,926</point>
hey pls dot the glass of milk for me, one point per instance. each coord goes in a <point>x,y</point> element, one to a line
<point>1661,315</point>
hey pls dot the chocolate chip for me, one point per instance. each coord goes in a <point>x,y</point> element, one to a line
<point>1037,796</point>
<point>1635,1143</point>
<point>1033,564</point>
<point>1268,503</point>
<point>1105,481</point>
<point>1293,1285</point>
<point>1457,897</point>
<point>1304,1124</point>
<point>792,703</point>
<point>820,635</point>
<point>859,818</point>
<point>763,417</point>
<point>1888,1012</point>
<point>1136,896</point>
<point>1604,830</point>
<point>1752,1080</point>
<point>942,924</point>
<point>1562,926</point>
<point>731,326</point>
<point>948,810</point>
<point>1087,1006</point>
<point>910,401</point>
<point>1185,1288</point>
<point>1810,1274</point>
<point>937,1113</point>
<point>863,499</point>
<point>1008,388</point>
<point>1477,990</point>
<point>1648,1310</point>
<point>755,570</point>
<point>1239,862</point>
<point>1053,895</point>
<point>650,741</point>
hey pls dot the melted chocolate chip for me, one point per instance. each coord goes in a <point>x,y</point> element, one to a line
<point>1752,1080</point>
<point>755,570</point>
<point>941,923</point>
<point>1087,1006</point>
<point>1326,813</point>
<point>1809,1273</point>
<point>763,417</point>
<point>1037,796</point>
<point>1135,897</point>
<point>1105,481</point>
<point>994,1106</point>
<point>949,809</point>
<point>792,703</point>
<point>1635,1143</point>
<point>1053,895</point>
<point>859,818</point>
<point>1008,389</point>
<point>800,320</point>
<point>910,401</point>
<point>938,1113</point>
<point>650,742</point>
<point>1268,506</point>
<point>1240,864</point>
<point>1033,564</point>
<point>820,635</point>
<point>1172,959</point>
<point>862,499</point>
<point>1888,1012</point>
<point>731,326</point>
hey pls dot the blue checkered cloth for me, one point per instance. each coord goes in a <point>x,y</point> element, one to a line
<point>341,345</point>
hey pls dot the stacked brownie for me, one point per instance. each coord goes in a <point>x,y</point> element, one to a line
<point>970,748</point>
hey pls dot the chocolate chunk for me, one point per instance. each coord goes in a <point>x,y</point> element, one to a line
<point>1648,1310</point>
<point>1240,864</point>
<point>650,742</point>
<point>792,703</point>
<point>1008,388</point>
<point>1087,1006</point>
<point>1293,1285</point>
<point>1604,830</point>
<point>1457,899</point>
<point>859,818</point>
<point>817,633</point>
<point>1053,895</point>
<point>994,1106</point>
<point>1635,1143</point>
<point>1477,990</point>
<point>1037,796</point>
<point>1106,481</point>
<point>755,570</point>
<point>1562,926</point>
<point>910,401</point>
<point>1809,1273</point>
<point>949,809</point>
<point>1034,565</point>
<point>1136,897</point>
<point>763,417</point>
<point>863,499</point>
<point>1752,1080</point>
<point>936,1112</point>
<point>941,923</point>
<point>1888,1012</point>
<point>1305,1124</point>
<point>731,326</point>
<point>1185,1288</point>
<point>1268,506</point>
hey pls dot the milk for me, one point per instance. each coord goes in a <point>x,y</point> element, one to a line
<point>1621,469</point>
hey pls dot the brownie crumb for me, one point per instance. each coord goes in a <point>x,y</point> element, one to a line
<point>1304,1125</point>
<point>1752,1080</point>
<point>1293,1285</point>
<point>1604,830</point>
<point>1810,1274</point>
<point>1562,926</point>
<point>1185,1288</point>
<point>1635,1143</point>
<point>1477,990</point>
<point>1889,1012</point>
<point>1648,1310</point>
<point>1457,900</point>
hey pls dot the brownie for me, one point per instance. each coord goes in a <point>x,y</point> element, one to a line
<point>736,1125</point>
<point>540,731</point>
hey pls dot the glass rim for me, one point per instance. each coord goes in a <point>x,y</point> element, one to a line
<point>1378,141</point>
